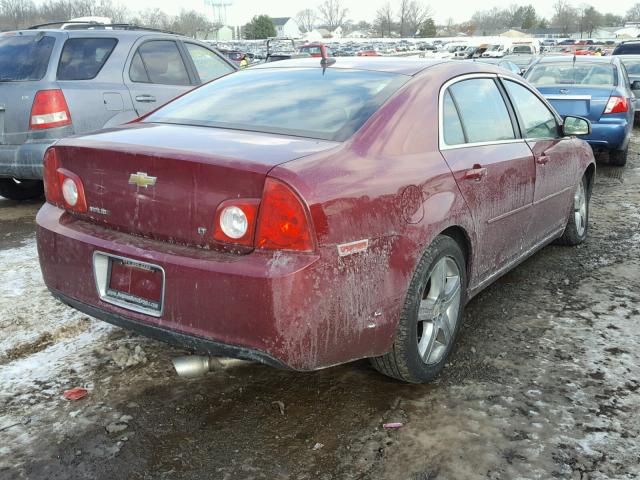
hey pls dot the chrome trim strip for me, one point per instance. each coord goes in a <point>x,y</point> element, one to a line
<point>559,192</point>
<point>100,275</point>
<point>512,212</point>
<point>568,97</point>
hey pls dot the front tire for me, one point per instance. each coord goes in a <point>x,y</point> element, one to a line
<point>21,189</point>
<point>431,315</point>
<point>578,223</point>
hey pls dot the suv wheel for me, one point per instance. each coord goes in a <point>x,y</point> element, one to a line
<point>15,189</point>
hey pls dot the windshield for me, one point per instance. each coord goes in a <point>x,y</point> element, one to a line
<point>495,48</point>
<point>308,102</point>
<point>572,74</point>
<point>24,58</point>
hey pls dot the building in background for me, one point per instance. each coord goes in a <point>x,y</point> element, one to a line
<point>286,27</point>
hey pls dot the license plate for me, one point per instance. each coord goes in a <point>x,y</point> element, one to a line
<point>128,283</point>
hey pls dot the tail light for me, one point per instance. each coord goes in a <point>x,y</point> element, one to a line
<point>283,223</point>
<point>49,110</point>
<point>62,187</point>
<point>617,105</point>
<point>279,221</point>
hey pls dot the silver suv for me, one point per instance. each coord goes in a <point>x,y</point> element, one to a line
<point>55,83</point>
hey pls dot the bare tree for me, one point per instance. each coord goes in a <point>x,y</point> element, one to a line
<point>190,22</point>
<point>633,14</point>
<point>383,23</point>
<point>332,14</point>
<point>155,18</point>
<point>16,13</point>
<point>306,19</point>
<point>412,15</point>
<point>565,16</point>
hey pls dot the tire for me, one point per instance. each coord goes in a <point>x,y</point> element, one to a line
<point>578,223</point>
<point>21,189</point>
<point>421,348</point>
<point>618,158</point>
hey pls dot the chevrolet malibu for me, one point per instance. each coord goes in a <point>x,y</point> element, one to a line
<point>342,210</point>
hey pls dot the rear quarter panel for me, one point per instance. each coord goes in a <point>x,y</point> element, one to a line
<point>389,186</point>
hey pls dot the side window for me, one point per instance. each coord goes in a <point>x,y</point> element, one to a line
<point>452,128</point>
<point>538,121</point>
<point>482,110</point>
<point>161,62</point>
<point>208,64</point>
<point>83,58</point>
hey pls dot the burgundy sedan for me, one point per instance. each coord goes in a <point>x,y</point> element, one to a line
<point>337,211</point>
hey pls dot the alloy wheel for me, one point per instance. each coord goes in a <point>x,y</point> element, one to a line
<point>438,311</point>
<point>580,209</point>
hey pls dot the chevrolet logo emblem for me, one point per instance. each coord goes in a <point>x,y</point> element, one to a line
<point>141,179</point>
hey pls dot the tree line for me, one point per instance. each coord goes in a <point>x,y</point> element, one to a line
<point>397,18</point>
<point>17,14</point>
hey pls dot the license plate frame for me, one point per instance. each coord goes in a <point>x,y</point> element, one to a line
<point>102,264</point>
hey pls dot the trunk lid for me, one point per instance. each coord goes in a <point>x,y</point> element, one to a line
<point>588,102</point>
<point>194,168</point>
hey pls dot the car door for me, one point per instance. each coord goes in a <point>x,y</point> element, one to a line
<point>555,163</point>
<point>207,64</point>
<point>492,165</point>
<point>156,73</point>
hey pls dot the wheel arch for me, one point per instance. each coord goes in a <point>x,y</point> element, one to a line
<point>462,238</point>
<point>590,173</point>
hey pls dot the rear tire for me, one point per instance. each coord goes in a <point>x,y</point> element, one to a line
<point>578,224</point>
<point>618,158</point>
<point>14,189</point>
<point>431,315</point>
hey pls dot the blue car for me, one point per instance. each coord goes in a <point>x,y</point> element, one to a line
<point>596,88</point>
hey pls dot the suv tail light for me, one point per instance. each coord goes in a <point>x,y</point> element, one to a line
<point>616,105</point>
<point>283,222</point>
<point>62,187</point>
<point>49,110</point>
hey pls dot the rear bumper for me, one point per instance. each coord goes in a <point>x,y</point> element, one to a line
<point>191,342</point>
<point>610,134</point>
<point>300,311</point>
<point>23,161</point>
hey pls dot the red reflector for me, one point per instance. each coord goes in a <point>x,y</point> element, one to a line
<point>617,105</point>
<point>283,223</point>
<point>49,110</point>
<point>54,178</point>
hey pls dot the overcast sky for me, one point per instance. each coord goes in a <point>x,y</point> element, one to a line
<point>460,10</point>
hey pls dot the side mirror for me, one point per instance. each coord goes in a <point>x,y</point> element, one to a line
<point>635,85</point>
<point>576,126</point>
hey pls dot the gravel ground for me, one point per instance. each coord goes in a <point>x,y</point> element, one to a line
<point>544,382</point>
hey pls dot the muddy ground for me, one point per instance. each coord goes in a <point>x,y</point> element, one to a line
<point>544,382</point>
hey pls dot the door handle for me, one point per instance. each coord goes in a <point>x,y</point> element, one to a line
<point>476,173</point>
<point>542,159</point>
<point>145,98</point>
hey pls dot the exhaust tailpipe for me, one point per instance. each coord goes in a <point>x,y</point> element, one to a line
<point>192,366</point>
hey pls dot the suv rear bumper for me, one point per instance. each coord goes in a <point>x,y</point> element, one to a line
<point>24,161</point>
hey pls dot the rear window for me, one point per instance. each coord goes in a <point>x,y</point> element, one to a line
<point>307,102</point>
<point>572,74</point>
<point>25,57</point>
<point>311,50</point>
<point>632,66</point>
<point>83,58</point>
<point>627,49</point>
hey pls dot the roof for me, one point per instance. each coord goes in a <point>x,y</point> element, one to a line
<point>280,21</point>
<point>400,65</point>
